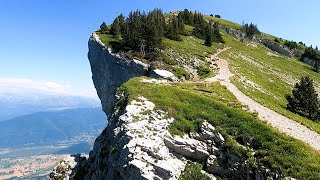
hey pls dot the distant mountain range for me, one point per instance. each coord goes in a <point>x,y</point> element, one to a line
<point>14,105</point>
<point>49,128</point>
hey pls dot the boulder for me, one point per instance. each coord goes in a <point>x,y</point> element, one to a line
<point>190,148</point>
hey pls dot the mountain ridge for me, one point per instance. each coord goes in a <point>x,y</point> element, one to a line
<point>15,106</point>
<point>44,128</point>
<point>155,123</point>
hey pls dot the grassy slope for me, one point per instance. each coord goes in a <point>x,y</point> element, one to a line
<point>275,76</point>
<point>189,46</point>
<point>192,103</point>
<point>223,22</point>
<point>107,38</point>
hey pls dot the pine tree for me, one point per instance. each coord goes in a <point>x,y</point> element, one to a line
<point>250,29</point>
<point>187,17</point>
<point>103,28</point>
<point>122,23</point>
<point>180,23</point>
<point>115,28</point>
<point>208,41</point>
<point>153,36</point>
<point>173,30</point>
<point>316,66</point>
<point>304,100</point>
<point>134,31</point>
<point>216,33</point>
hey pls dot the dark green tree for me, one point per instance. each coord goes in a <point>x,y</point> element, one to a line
<point>304,100</point>
<point>173,30</point>
<point>180,23</point>
<point>133,36</point>
<point>122,23</point>
<point>104,28</point>
<point>313,54</point>
<point>153,36</point>
<point>276,40</point>
<point>291,44</point>
<point>208,41</point>
<point>187,17</point>
<point>250,30</point>
<point>316,66</point>
<point>115,27</point>
<point>216,33</point>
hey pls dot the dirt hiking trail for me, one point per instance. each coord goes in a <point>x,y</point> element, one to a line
<point>276,120</point>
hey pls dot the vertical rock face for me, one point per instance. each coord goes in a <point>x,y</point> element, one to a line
<point>109,71</point>
<point>309,61</point>
<point>277,48</point>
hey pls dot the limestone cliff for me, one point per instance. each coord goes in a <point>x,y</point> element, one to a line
<point>109,71</point>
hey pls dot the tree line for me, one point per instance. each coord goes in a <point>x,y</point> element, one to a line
<point>143,32</point>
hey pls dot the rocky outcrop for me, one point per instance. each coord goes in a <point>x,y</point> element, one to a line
<point>238,34</point>
<point>277,48</point>
<point>132,146</point>
<point>64,168</point>
<point>234,33</point>
<point>309,61</point>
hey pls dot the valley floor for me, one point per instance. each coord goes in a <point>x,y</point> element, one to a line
<point>276,120</point>
<point>26,166</point>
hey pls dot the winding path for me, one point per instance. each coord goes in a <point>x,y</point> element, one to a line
<point>276,120</point>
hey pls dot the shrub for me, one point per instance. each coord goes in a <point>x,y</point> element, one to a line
<point>291,44</point>
<point>193,171</point>
<point>179,73</point>
<point>203,71</point>
<point>276,40</point>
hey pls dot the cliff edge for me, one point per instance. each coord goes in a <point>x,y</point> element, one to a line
<point>110,71</point>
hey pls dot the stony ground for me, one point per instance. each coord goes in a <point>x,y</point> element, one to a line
<point>273,118</point>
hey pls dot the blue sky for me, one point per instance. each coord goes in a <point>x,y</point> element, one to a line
<point>46,41</point>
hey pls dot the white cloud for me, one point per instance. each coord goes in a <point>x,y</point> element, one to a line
<point>29,86</point>
<point>53,85</point>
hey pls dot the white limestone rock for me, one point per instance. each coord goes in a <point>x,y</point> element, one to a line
<point>164,74</point>
<point>138,148</point>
